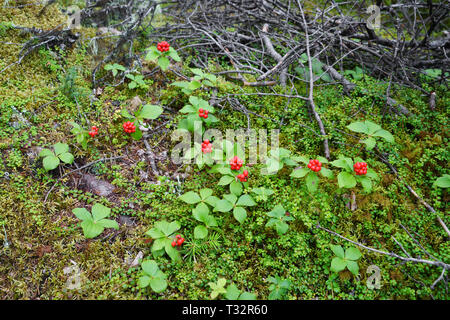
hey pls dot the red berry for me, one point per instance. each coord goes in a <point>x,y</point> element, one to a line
<point>245,173</point>
<point>174,243</point>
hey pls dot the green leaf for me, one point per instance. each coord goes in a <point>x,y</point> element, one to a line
<point>164,63</point>
<point>385,135</point>
<point>200,232</point>
<point>338,264</point>
<point>247,296</point>
<point>158,285</point>
<point>327,173</point>
<point>153,54</point>
<point>155,233</point>
<point>137,135</point>
<point>66,157</point>
<point>443,182</point>
<point>205,193</point>
<point>370,143</point>
<point>143,281</point>
<point>371,127</point>
<point>194,85</point>
<point>50,162</point>
<point>352,266</point>
<point>99,211</point>
<point>91,229</point>
<point>174,55</point>
<point>338,251</point>
<point>81,213</point>
<point>366,183</point>
<point>299,173</point>
<point>312,181</point>
<point>60,148</point>
<point>159,244</point>
<point>150,111</point>
<point>190,197</point>
<point>346,180</point>
<point>150,267</point>
<point>171,251</point>
<point>281,227</point>
<point>46,153</point>
<point>358,127</point>
<point>352,253</point>
<point>226,180</point>
<point>240,214</point>
<point>201,212</point>
<point>212,200</point>
<point>232,292</point>
<point>108,223</point>
<point>126,114</point>
<point>344,163</point>
<point>223,206</point>
<point>246,200</point>
<point>236,188</point>
<point>277,212</point>
<point>168,228</point>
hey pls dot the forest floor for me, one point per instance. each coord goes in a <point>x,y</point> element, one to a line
<point>43,247</point>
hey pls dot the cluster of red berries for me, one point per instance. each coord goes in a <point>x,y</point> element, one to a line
<point>93,132</point>
<point>178,241</point>
<point>243,176</point>
<point>203,113</point>
<point>315,165</point>
<point>236,163</point>
<point>206,146</point>
<point>163,46</point>
<point>129,127</point>
<point>360,168</point>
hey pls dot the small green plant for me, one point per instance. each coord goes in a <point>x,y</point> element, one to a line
<point>161,53</point>
<point>278,218</point>
<point>373,131</point>
<point>278,288</point>
<point>311,172</point>
<point>218,287</point>
<point>233,293</point>
<point>347,259</point>
<point>82,135</point>
<point>443,182</point>
<point>201,212</point>
<point>164,234</point>
<point>262,193</point>
<point>357,73</point>
<point>354,172</point>
<point>232,202</point>
<point>277,159</point>
<point>152,277</point>
<point>52,158</point>
<point>69,85</point>
<point>137,81</point>
<point>94,224</point>
<point>115,68</point>
<point>200,79</point>
<point>317,69</point>
<point>198,111</point>
<point>148,112</point>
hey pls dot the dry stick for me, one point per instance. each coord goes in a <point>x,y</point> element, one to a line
<point>151,157</point>
<point>245,82</point>
<point>78,169</point>
<point>273,53</point>
<point>311,89</point>
<point>414,193</point>
<point>441,264</point>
